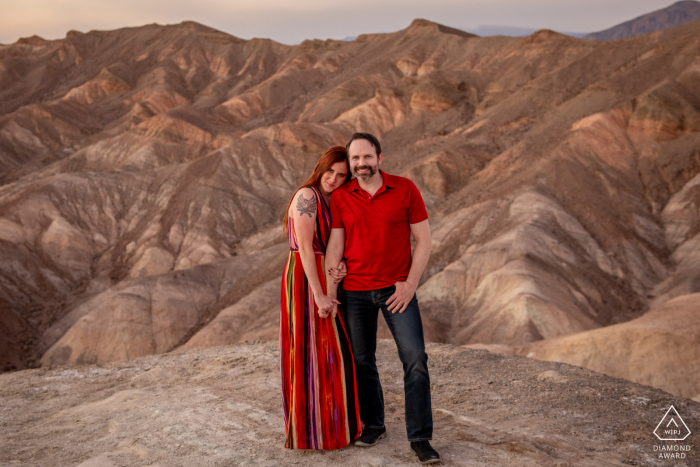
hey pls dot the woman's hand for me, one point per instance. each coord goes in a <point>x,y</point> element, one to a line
<point>326,305</point>
<point>340,272</point>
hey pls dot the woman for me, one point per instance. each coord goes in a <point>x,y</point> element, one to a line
<point>318,374</point>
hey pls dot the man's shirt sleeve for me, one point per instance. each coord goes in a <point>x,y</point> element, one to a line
<point>335,212</point>
<point>416,209</point>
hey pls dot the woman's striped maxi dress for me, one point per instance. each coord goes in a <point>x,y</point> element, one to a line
<point>319,389</point>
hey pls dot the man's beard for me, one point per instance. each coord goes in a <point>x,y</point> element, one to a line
<point>365,176</point>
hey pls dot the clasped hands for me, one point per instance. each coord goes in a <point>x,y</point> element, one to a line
<point>327,305</point>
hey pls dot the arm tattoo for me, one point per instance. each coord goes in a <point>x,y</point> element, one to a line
<point>306,206</point>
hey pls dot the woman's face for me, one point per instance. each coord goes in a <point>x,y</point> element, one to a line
<point>335,177</point>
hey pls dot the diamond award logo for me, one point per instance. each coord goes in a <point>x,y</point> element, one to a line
<point>672,427</point>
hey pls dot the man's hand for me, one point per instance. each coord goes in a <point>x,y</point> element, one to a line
<point>404,290</point>
<point>401,297</point>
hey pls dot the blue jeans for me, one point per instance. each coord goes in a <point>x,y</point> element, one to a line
<point>361,313</point>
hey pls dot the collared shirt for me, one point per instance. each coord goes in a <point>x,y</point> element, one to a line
<point>377,230</point>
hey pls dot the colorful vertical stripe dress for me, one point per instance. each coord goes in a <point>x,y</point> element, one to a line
<point>319,389</point>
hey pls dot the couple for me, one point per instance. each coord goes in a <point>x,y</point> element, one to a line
<point>359,230</point>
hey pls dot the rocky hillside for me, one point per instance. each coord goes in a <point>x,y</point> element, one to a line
<point>222,406</point>
<point>145,171</point>
<point>679,13</point>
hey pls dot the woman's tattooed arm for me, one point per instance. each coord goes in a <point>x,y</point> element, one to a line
<point>306,206</point>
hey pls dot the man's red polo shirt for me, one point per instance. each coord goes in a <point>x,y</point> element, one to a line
<point>377,230</point>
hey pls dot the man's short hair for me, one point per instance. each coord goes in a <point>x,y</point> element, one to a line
<point>369,137</point>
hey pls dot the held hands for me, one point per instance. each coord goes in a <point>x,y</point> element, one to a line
<point>332,312</point>
<point>401,298</point>
<point>326,305</point>
<point>340,272</point>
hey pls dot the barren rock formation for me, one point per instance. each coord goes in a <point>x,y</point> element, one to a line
<point>659,349</point>
<point>158,313</point>
<point>145,171</point>
<point>222,406</point>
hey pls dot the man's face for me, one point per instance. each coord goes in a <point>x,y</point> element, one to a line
<point>364,160</point>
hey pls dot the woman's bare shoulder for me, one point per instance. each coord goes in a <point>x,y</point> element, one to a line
<point>308,192</point>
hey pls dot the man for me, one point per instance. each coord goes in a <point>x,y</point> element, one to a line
<point>373,218</point>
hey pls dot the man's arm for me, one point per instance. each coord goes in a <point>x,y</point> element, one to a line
<point>334,253</point>
<point>405,290</point>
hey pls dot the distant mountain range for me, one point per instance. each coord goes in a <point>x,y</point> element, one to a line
<point>679,13</point>
<point>512,31</point>
<point>674,15</point>
<point>497,30</point>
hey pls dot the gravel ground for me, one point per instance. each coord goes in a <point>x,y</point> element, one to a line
<point>222,407</point>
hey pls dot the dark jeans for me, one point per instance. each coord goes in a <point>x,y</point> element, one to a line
<point>361,313</point>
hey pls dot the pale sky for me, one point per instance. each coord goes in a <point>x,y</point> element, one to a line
<point>291,22</point>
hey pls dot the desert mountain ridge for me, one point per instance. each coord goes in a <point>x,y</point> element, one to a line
<point>676,14</point>
<point>145,171</point>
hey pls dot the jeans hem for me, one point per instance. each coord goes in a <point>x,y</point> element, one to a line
<point>415,440</point>
<point>376,427</point>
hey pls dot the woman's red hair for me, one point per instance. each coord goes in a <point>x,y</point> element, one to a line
<point>331,156</point>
